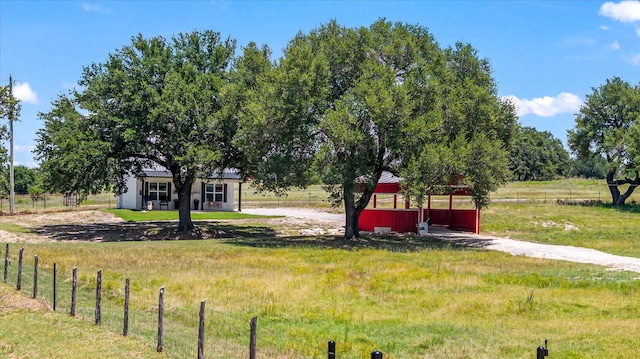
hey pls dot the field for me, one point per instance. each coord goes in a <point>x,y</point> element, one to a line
<point>409,297</point>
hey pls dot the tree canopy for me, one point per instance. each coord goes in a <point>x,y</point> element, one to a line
<point>155,102</point>
<point>347,103</point>
<point>354,102</point>
<point>608,125</point>
<point>25,178</point>
<point>538,156</point>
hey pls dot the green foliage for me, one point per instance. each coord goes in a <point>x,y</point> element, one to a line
<point>538,156</point>
<point>608,125</point>
<point>10,110</point>
<point>74,156</point>
<point>464,136</point>
<point>594,167</point>
<point>24,179</point>
<point>350,103</point>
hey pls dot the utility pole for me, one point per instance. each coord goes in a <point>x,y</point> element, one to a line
<point>11,184</point>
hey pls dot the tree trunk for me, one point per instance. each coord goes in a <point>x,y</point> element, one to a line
<point>184,209</point>
<point>617,198</point>
<point>613,188</point>
<point>351,218</point>
<point>352,209</point>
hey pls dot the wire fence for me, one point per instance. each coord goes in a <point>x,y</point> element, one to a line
<point>166,322</point>
<point>172,326</point>
<point>25,204</point>
<point>316,197</point>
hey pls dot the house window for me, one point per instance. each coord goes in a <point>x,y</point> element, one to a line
<point>158,191</point>
<point>215,192</point>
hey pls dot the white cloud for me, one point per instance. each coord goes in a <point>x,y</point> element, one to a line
<point>24,93</point>
<point>625,11</point>
<point>614,46</point>
<point>547,106</point>
<point>638,31</point>
<point>96,8</point>
<point>634,60</point>
<point>604,27</point>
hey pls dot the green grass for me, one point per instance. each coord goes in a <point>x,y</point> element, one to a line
<point>410,298</point>
<point>40,333</point>
<point>14,228</point>
<point>140,216</point>
<point>603,227</point>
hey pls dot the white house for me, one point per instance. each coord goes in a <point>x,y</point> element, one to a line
<point>154,190</point>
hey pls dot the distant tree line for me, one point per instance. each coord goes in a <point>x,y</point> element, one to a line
<point>26,181</point>
<point>539,156</point>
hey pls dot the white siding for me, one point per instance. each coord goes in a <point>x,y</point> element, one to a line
<point>131,199</point>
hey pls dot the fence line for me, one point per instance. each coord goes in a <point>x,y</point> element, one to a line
<point>214,348</point>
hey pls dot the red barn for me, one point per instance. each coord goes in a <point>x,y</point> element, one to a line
<point>406,219</point>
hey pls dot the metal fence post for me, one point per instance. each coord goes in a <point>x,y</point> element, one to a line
<point>376,355</point>
<point>332,349</point>
<point>54,286</point>
<point>542,352</point>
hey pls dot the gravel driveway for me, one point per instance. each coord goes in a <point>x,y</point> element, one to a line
<point>515,247</point>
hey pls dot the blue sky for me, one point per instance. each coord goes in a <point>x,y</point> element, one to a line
<point>546,55</point>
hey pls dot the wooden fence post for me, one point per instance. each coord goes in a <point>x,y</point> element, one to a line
<point>332,349</point>
<point>74,290</point>
<point>125,327</point>
<point>160,319</point>
<point>201,332</point>
<point>253,338</point>
<point>6,263</point>
<point>54,286</point>
<point>19,282</point>
<point>35,276</point>
<point>98,296</point>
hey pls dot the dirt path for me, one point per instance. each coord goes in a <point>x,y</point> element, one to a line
<point>538,250</point>
<point>514,247</point>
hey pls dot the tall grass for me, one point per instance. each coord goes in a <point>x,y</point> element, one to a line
<point>414,299</point>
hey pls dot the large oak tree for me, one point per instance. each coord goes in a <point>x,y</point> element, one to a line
<point>354,102</point>
<point>608,125</point>
<point>155,102</point>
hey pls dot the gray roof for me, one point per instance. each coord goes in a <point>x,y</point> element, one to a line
<point>388,177</point>
<point>227,174</point>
